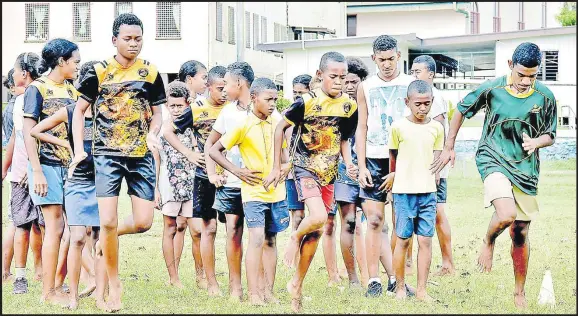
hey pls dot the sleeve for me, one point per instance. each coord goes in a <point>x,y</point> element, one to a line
<point>476,100</point>
<point>157,94</point>
<point>88,86</point>
<point>348,126</point>
<point>438,107</point>
<point>184,121</point>
<point>33,101</point>
<point>551,120</point>
<point>394,137</point>
<point>232,137</point>
<point>439,141</point>
<point>296,112</point>
<point>219,125</point>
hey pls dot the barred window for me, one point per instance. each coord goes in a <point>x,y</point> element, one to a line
<point>263,29</point>
<point>247,29</point>
<point>219,30</point>
<point>231,33</point>
<point>37,17</point>
<point>280,32</point>
<point>168,20</point>
<point>122,7</point>
<point>255,30</point>
<point>549,67</point>
<point>81,21</point>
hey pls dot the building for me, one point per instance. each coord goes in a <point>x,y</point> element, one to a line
<point>214,33</point>
<point>463,61</point>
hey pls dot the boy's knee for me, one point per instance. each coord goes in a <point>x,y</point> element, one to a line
<point>210,230</point>
<point>329,227</point>
<point>519,233</point>
<point>270,239</point>
<point>256,239</point>
<point>385,228</point>
<point>108,223</point>
<point>375,221</point>
<point>77,240</point>
<point>350,225</point>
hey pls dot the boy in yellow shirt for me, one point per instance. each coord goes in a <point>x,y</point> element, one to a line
<point>414,142</point>
<point>265,209</point>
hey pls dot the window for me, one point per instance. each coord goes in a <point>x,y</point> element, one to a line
<point>544,12</point>
<point>475,19</point>
<point>549,67</point>
<point>255,30</point>
<point>247,29</point>
<point>122,7</point>
<point>168,20</point>
<point>521,24</point>
<point>351,25</point>
<point>37,16</point>
<point>81,21</point>
<point>280,32</point>
<point>497,18</point>
<point>263,29</point>
<point>219,30</point>
<point>231,25</point>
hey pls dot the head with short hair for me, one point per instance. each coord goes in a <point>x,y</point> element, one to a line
<point>84,69</point>
<point>386,56</point>
<point>424,68</point>
<point>525,64</point>
<point>419,98</point>
<point>332,72</point>
<point>127,31</point>
<point>9,80</point>
<point>239,76</point>
<point>216,85</point>
<point>194,74</point>
<point>264,96</point>
<point>177,98</point>
<point>60,55</point>
<point>356,72</point>
<point>301,85</point>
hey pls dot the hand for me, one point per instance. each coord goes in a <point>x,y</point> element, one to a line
<point>273,178</point>
<point>40,184</point>
<point>196,158</point>
<point>153,142</point>
<point>70,151</point>
<point>285,169</point>
<point>389,197</point>
<point>248,176</point>
<point>529,144</point>
<point>438,178</point>
<point>447,155</point>
<point>218,180</point>
<point>365,180</point>
<point>157,199</point>
<point>24,182</point>
<point>352,171</point>
<point>76,159</point>
<point>387,183</point>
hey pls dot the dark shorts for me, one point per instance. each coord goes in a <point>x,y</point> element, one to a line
<point>138,172</point>
<point>442,193</point>
<point>293,202</point>
<point>415,213</point>
<point>22,209</point>
<point>204,199</point>
<point>274,217</point>
<point>378,168</point>
<point>80,196</point>
<point>228,201</point>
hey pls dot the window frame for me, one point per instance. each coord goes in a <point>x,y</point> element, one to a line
<point>157,30</point>
<point>31,6</point>
<point>231,25</point>
<point>218,33</point>
<point>89,21</point>
<point>116,8</point>
<point>354,16</point>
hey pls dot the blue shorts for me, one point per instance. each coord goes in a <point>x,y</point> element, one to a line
<point>378,168</point>
<point>228,201</point>
<point>346,193</point>
<point>415,213</point>
<point>55,178</point>
<point>80,196</point>
<point>273,216</point>
<point>139,172</point>
<point>442,192</point>
<point>293,202</point>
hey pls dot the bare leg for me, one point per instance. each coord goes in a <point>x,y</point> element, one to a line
<point>328,245</point>
<point>234,248</point>
<point>89,261</point>
<point>297,216</point>
<point>348,229</point>
<point>445,239</point>
<point>179,241</point>
<point>502,218</point>
<point>520,252</point>
<point>374,211</point>
<point>360,255</point>
<point>270,266</point>
<point>21,242</point>
<point>61,268</point>
<point>311,223</point>
<point>385,253</point>
<point>8,252</point>
<point>408,257</point>
<point>51,245</point>
<point>100,274</point>
<point>169,232</point>
<point>195,225</point>
<point>77,242</point>
<point>208,233</point>
<point>36,247</point>
<point>423,266</point>
<point>399,265</point>
<point>254,263</point>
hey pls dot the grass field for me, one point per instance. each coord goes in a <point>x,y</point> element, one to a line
<point>553,246</point>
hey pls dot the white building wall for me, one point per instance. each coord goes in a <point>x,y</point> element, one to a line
<point>331,15</point>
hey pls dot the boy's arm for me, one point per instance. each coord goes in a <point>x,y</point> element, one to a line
<point>33,101</point>
<point>227,142</point>
<point>275,176</point>
<point>39,130</point>
<point>169,132</point>
<point>152,138</point>
<point>436,156</point>
<point>365,179</point>
<point>548,133</point>
<point>214,178</point>
<point>7,161</point>
<point>157,158</point>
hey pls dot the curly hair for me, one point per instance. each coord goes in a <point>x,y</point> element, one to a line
<point>330,56</point>
<point>528,55</point>
<point>302,79</point>
<point>9,81</point>
<point>55,49</point>
<point>126,19</point>
<point>243,70</point>
<point>190,69</point>
<point>356,66</point>
<point>215,73</point>
<point>261,84</point>
<point>32,64</point>
<point>384,43</point>
<point>178,89</point>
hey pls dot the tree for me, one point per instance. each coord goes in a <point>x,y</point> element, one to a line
<point>567,15</point>
<point>282,103</point>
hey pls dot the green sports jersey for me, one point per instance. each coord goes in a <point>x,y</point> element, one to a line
<point>508,116</point>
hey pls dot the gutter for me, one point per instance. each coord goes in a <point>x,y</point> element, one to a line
<point>464,12</point>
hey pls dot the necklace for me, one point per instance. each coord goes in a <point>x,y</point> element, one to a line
<point>262,123</point>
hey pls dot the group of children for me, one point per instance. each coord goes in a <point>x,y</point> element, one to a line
<point>213,147</point>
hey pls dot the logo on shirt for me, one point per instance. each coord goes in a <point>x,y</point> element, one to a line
<point>109,77</point>
<point>143,72</point>
<point>317,107</point>
<point>536,109</point>
<point>204,114</point>
<point>347,107</point>
<point>70,93</point>
<point>49,92</point>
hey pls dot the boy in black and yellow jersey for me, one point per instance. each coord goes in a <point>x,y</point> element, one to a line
<point>325,119</point>
<point>125,93</point>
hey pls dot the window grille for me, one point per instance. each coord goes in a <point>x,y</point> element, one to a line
<point>549,67</point>
<point>122,7</point>
<point>255,30</point>
<point>247,29</point>
<point>231,24</point>
<point>168,20</point>
<point>219,20</point>
<point>81,21</point>
<point>36,19</point>
<point>263,29</point>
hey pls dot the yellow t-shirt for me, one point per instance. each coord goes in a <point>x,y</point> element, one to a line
<point>254,137</point>
<point>415,144</point>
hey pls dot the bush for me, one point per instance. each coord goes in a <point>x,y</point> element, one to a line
<point>282,103</point>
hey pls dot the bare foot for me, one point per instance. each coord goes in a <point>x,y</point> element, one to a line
<point>56,299</point>
<point>176,283</point>
<point>400,295</point>
<point>356,285</point>
<point>295,297</point>
<point>485,258</point>
<point>520,301</point>
<point>73,305</point>
<point>202,282</point>
<point>271,299</point>
<point>214,291</point>
<point>101,304</point>
<point>7,278</point>
<point>236,295</point>
<point>446,270</point>
<point>62,289</point>
<point>38,276</point>
<point>290,258</point>
<point>114,299</point>
<point>424,297</point>
<point>256,300</point>
<point>334,282</point>
<point>88,290</point>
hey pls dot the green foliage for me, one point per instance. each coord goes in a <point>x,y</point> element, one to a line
<point>567,15</point>
<point>451,110</point>
<point>282,103</point>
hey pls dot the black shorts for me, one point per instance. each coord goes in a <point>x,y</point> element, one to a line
<point>378,168</point>
<point>442,192</point>
<point>228,201</point>
<point>138,171</point>
<point>203,199</point>
<point>22,210</point>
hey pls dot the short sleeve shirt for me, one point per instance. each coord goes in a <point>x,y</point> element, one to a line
<point>415,144</point>
<point>323,122</point>
<point>42,98</point>
<point>85,169</point>
<point>508,116</point>
<point>122,100</point>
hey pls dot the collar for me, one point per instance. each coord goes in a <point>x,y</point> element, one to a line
<point>515,93</point>
<point>257,121</point>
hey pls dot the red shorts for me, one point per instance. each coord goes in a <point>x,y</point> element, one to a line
<point>308,187</point>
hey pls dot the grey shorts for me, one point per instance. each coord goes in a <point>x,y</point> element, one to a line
<point>22,209</point>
